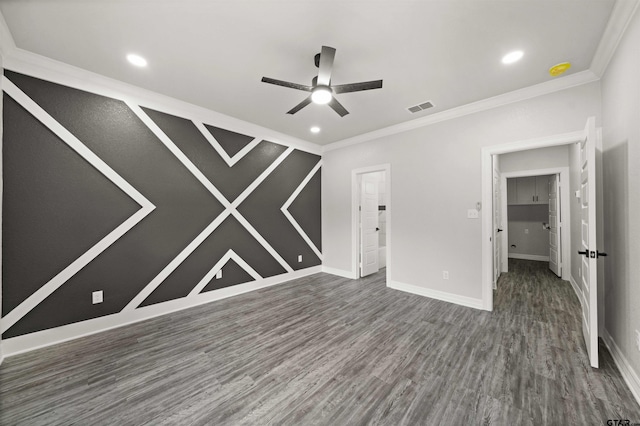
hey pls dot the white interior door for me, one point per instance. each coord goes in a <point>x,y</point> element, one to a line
<point>369,262</point>
<point>555,251</point>
<point>588,250</point>
<point>497,223</point>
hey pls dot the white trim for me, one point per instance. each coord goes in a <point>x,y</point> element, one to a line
<point>621,15</point>
<point>436,294</point>
<point>355,202</point>
<point>339,272</point>
<point>39,66</point>
<point>40,339</point>
<point>63,276</point>
<point>627,372</point>
<point>545,88</point>
<point>177,261</point>
<point>230,254</point>
<point>230,208</point>
<point>231,161</point>
<point>289,216</point>
<point>166,141</point>
<point>487,197</point>
<point>535,257</point>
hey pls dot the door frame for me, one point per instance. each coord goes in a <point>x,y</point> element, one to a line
<point>487,197</point>
<point>565,214</point>
<point>355,216</point>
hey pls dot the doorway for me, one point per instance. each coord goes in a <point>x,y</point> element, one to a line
<point>588,232</point>
<point>371,220</point>
<point>537,211</point>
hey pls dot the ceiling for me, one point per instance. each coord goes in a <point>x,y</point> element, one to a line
<point>214,53</point>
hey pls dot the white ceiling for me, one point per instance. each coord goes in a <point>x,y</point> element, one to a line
<point>214,53</point>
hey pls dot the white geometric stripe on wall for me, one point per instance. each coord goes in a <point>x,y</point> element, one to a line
<point>231,161</point>
<point>230,254</point>
<point>289,216</point>
<point>229,207</point>
<point>74,143</point>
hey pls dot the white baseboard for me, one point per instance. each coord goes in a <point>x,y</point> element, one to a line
<point>339,272</point>
<point>40,339</point>
<point>437,294</point>
<point>627,372</point>
<point>529,257</point>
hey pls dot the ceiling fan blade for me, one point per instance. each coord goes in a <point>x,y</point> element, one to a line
<point>337,107</point>
<point>287,84</point>
<point>327,54</point>
<point>357,87</point>
<point>301,105</point>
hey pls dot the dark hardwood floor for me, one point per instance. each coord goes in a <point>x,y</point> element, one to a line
<point>331,351</point>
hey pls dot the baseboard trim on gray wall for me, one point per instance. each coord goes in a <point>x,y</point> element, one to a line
<point>41,339</point>
<point>339,272</point>
<point>529,257</point>
<point>628,373</point>
<point>437,294</point>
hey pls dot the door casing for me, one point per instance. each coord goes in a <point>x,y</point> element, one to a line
<point>355,217</point>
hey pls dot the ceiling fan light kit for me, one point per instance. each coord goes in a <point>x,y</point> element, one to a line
<point>322,92</point>
<point>321,95</point>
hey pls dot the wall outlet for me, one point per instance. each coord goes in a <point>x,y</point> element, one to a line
<point>299,258</point>
<point>219,274</point>
<point>526,231</point>
<point>638,340</point>
<point>472,214</point>
<point>96,297</point>
<point>445,275</point>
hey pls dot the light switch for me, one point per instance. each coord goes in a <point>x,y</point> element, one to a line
<point>472,214</point>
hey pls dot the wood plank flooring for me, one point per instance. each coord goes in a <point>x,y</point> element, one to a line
<point>330,351</point>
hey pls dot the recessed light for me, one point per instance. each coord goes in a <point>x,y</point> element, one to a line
<point>315,129</point>
<point>512,57</point>
<point>137,60</point>
<point>558,69</point>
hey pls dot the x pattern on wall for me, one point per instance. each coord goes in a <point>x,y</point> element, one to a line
<point>234,201</point>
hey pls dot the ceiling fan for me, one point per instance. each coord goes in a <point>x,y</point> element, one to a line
<point>322,92</point>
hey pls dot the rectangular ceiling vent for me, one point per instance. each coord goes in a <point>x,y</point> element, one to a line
<point>421,107</point>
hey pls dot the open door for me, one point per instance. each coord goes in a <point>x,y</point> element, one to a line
<point>497,223</point>
<point>555,229</point>
<point>588,249</point>
<point>369,262</point>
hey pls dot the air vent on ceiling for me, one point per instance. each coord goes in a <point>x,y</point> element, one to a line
<point>421,107</point>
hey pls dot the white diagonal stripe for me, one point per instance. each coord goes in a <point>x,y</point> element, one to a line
<point>177,261</point>
<point>178,154</point>
<point>146,206</point>
<point>231,161</point>
<point>288,215</point>
<point>229,209</point>
<point>230,254</point>
<point>261,240</point>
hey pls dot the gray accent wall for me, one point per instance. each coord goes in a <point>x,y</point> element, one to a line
<point>57,206</point>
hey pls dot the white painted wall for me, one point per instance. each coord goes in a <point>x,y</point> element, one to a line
<point>435,179</point>
<point>534,159</point>
<point>526,232</point>
<point>621,164</point>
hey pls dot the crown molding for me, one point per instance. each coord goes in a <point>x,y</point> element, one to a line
<point>547,87</point>
<point>32,64</point>
<point>621,15</point>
